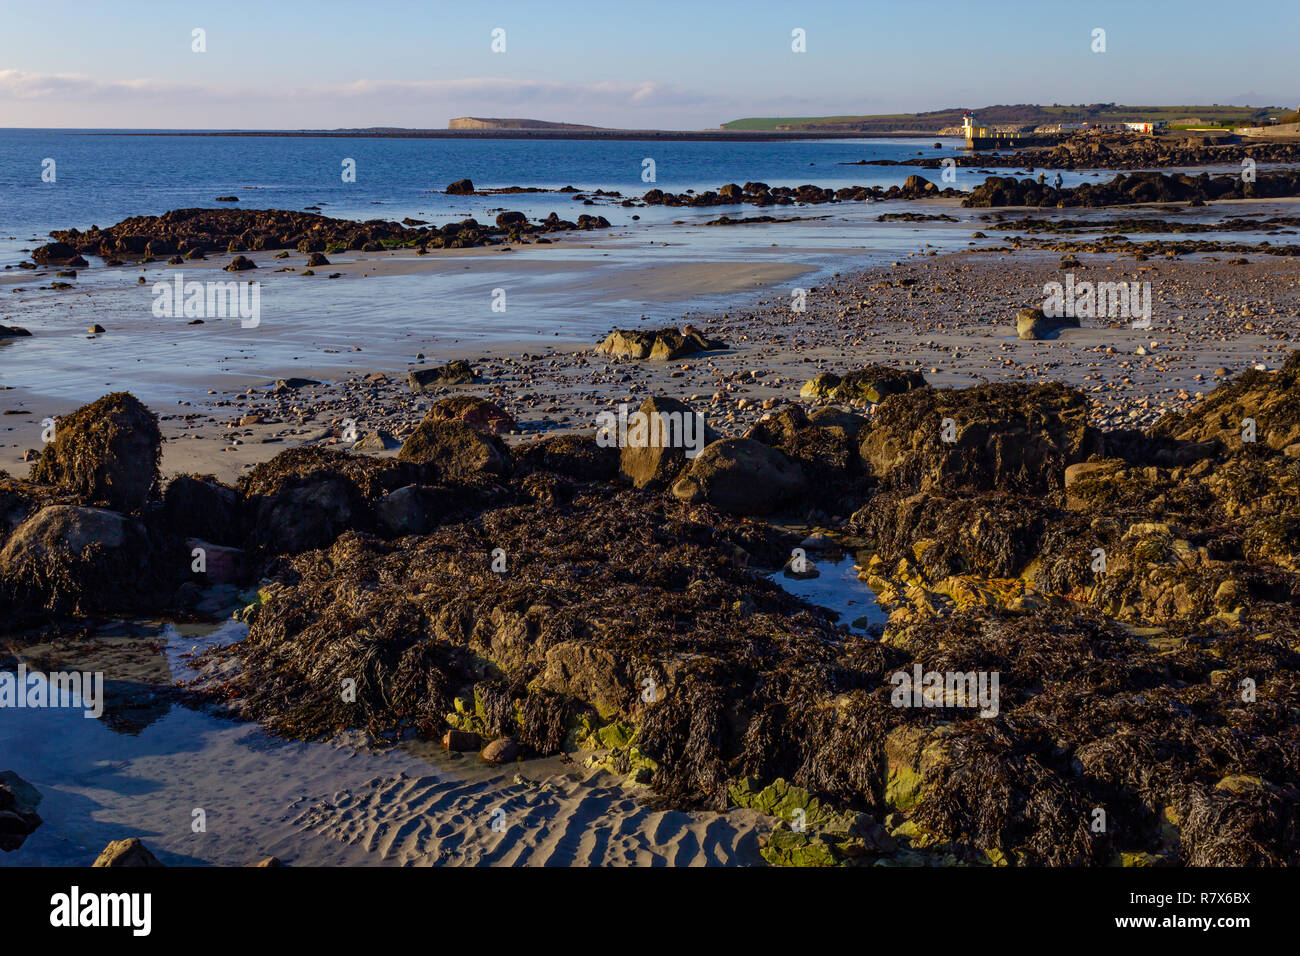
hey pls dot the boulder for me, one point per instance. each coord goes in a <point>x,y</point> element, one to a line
<point>199,506</point>
<point>221,565</point>
<point>656,462</point>
<point>54,253</point>
<point>129,852</point>
<point>1034,323</point>
<point>74,560</point>
<point>1006,436</point>
<point>741,476</point>
<point>105,453</point>
<point>12,332</point>
<point>431,379</point>
<point>502,750</point>
<point>378,440</point>
<point>410,510</point>
<point>303,498</point>
<point>240,264</point>
<point>573,456</point>
<point>824,443</point>
<point>872,383</point>
<point>658,345</point>
<point>18,816</point>
<point>455,450</point>
<point>307,513</point>
<point>461,187</point>
<point>478,413</point>
<point>284,385</point>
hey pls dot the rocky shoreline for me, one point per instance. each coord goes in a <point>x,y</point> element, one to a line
<point>193,233</point>
<point>1117,151</point>
<point>562,596</point>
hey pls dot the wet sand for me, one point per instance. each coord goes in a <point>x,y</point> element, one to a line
<point>954,323</point>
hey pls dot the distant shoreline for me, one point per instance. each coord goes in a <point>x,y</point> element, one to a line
<point>705,135</point>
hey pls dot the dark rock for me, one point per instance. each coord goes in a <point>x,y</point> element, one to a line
<point>414,509</point>
<point>741,476</point>
<point>199,506</point>
<point>18,816</point>
<point>457,372</point>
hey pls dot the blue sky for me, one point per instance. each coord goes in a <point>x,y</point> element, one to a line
<point>649,64</point>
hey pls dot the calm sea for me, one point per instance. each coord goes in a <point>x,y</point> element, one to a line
<point>101,178</point>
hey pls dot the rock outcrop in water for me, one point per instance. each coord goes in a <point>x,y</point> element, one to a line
<point>1142,187</point>
<point>193,232</point>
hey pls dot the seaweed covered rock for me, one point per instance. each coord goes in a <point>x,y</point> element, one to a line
<point>478,413</point>
<point>72,560</point>
<point>574,456</point>
<point>1091,716</point>
<point>590,605</point>
<point>306,497</point>
<point>872,383</point>
<point>657,345</point>
<point>105,453</point>
<point>454,449</point>
<point>1012,437</point>
<point>1257,409</point>
<point>741,476</point>
<point>825,444</point>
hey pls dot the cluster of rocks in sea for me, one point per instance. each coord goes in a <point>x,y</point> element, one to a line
<point>194,233</point>
<point>761,194</point>
<point>561,595</point>
<point>1134,188</point>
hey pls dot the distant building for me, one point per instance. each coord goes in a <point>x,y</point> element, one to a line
<point>1145,127</point>
<point>979,136</point>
